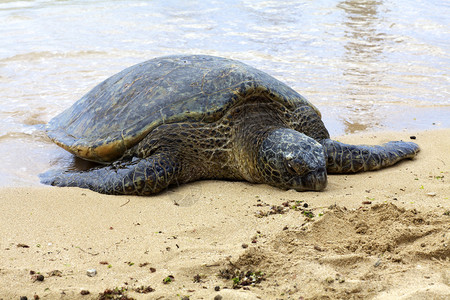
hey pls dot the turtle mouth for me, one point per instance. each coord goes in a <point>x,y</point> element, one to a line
<point>313,181</point>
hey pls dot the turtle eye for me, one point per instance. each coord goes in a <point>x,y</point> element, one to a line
<point>295,167</point>
<point>291,167</point>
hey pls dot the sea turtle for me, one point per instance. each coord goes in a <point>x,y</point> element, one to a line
<point>176,119</point>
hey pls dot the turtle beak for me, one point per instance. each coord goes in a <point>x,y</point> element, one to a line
<point>313,181</point>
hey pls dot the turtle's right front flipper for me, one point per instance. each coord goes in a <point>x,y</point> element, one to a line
<point>344,158</point>
<point>138,177</point>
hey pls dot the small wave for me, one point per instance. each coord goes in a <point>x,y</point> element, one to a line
<point>16,5</point>
<point>15,135</point>
<point>30,133</point>
<point>33,56</point>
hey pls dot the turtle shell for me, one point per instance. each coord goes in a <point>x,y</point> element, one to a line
<point>119,112</point>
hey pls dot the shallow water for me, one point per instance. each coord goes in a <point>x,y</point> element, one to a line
<point>367,65</point>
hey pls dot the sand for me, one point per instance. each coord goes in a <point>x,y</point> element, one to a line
<point>374,235</point>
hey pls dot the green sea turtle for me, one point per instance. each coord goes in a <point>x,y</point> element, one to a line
<point>176,119</point>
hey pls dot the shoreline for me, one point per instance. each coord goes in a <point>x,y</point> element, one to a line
<point>199,228</point>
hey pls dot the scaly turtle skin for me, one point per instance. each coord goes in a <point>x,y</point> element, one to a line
<point>177,119</point>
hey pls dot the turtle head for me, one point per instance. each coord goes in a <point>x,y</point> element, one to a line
<point>291,160</point>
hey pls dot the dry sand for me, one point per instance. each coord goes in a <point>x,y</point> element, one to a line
<point>375,235</point>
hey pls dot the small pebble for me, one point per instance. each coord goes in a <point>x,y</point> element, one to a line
<point>91,272</point>
<point>197,278</point>
<point>244,246</point>
<point>217,288</point>
<point>377,263</point>
<point>432,194</point>
<point>413,137</point>
<point>318,248</point>
<point>85,292</point>
<point>23,298</point>
<point>218,297</point>
<point>40,277</point>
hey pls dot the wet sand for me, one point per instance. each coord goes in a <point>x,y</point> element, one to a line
<point>375,235</point>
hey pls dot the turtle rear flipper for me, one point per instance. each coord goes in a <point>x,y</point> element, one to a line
<point>140,176</point>
<point>344,158</point>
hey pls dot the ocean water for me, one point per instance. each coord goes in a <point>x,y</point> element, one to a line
<point>367,65</point>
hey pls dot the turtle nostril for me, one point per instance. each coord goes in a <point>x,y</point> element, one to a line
<point>321,170</point>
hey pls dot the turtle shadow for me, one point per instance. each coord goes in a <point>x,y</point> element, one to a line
<point>79,164</point>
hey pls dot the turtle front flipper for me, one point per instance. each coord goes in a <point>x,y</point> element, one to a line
<point>344,158</point>
<point>140,176</point>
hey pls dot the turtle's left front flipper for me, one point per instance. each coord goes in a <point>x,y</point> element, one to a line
<point>144,176</point>
<point>344,158</point>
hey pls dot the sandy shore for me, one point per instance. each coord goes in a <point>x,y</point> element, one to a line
<point>376,235</point>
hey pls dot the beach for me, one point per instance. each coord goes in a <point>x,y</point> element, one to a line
<point>373,235</point>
